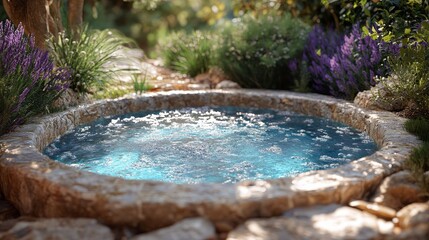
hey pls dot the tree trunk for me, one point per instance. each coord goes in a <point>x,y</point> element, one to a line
<point>43,17</point>
<point>75,12</point>
<point>53,16</point>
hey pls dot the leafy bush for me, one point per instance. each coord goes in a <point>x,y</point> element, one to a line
<point>28,80</point>
<point>311,11</point>
<point>148,21</point>
<point>189,54</point>
<point>343,65</point>
<point>409,80</point>
<point>86,52</point>
<point>256,53</point>
<point>396,21</point>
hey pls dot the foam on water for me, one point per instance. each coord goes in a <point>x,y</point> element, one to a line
<point>221,144</point>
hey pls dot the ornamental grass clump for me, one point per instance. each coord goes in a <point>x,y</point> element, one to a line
<point>29,82</point>
<point>141,83</point>
<point>418,127</point>
<point>256,53</point>
<point>189,54</point>
<point>419,159</point>
<point>418,162</point>
<point>87,52</point>
<point>343,65</point>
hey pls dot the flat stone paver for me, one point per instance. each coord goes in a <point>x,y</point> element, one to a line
<point>317,222</point>
<point>58,229</point>
<point>188,229</point>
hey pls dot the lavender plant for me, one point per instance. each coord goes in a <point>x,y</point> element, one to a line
<point>343,65</point>
<point>29,82</point>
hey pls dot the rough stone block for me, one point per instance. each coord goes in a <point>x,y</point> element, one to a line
<point>59,229</point>
<point>413,215</point>
<point>7,211</point>
<point>318,222</point>
<point>189,229</point>
<point>398,190</point>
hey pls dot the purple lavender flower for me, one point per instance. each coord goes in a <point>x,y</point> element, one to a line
<point>21,99</point>
<point>23,95</point>
<point>293,65</point>
<point>30,76</point>
<point>342,65</point>
<point>60,80</point>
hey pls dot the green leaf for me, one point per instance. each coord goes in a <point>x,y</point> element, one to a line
<point>407,31</point>
<point>325,2</point>
<point>388,37</point>
<point>367,12</point>
<point>365,31</point>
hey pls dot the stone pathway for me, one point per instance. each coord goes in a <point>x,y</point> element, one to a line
<point>316,222</point>
<point>190,229</point>
<point>58,229</point>
<point>161,78</point>
<point>164,79</point>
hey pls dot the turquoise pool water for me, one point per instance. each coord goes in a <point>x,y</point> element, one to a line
<point>209,145</point>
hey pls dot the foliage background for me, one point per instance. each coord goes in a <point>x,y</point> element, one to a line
<point>148,21</point>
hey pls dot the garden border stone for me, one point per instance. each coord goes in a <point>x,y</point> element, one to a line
<point>40,187</point>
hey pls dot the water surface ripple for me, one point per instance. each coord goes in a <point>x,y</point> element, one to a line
<point>218,144</point>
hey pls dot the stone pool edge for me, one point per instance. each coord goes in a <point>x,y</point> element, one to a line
<point>41,187</point>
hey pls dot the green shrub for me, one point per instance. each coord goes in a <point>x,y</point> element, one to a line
<point>311,11</point>
<point>396,20</point>
<point>86,52</point>
<point>189,54</point>
<point>408,83</point>
<point>256,53</point>
<point>418,127</point>
<point>409,80</point>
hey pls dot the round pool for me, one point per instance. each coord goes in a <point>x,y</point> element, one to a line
<point>210,145</point>
<point>39,186</point>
